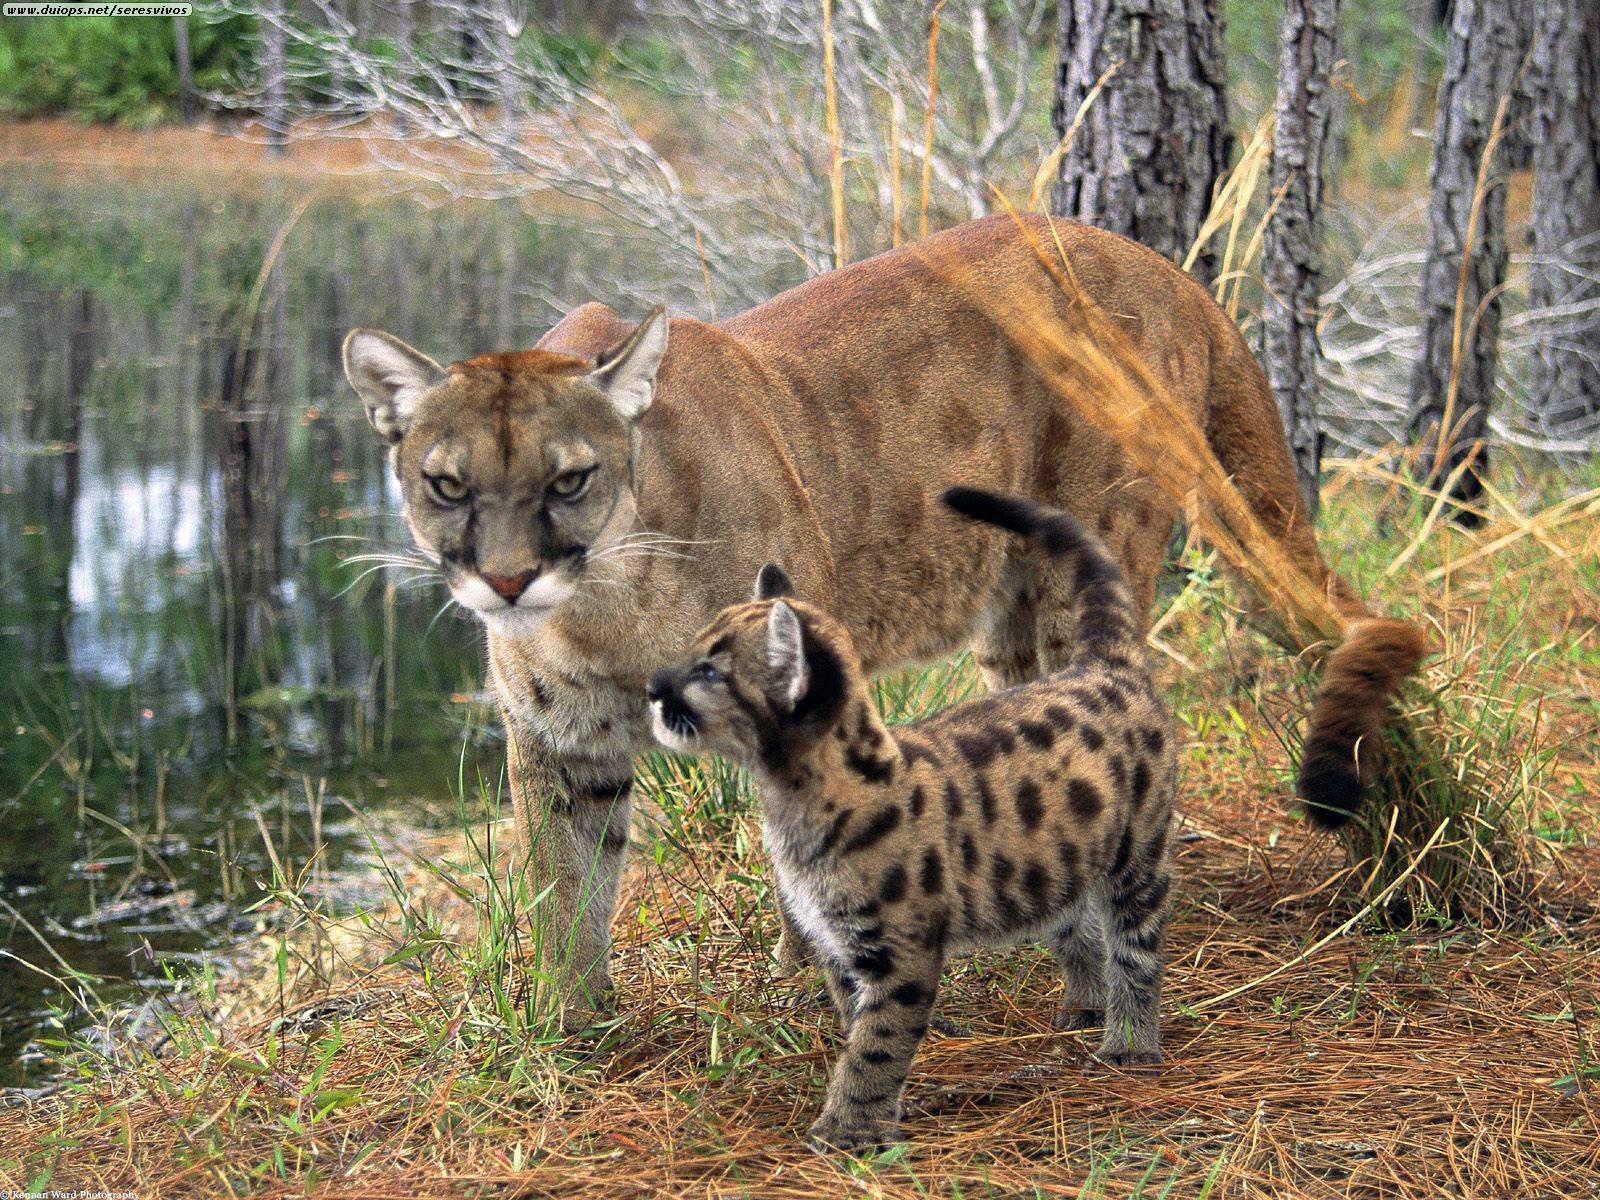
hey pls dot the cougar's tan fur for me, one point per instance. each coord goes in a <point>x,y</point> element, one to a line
<point>815,430</point>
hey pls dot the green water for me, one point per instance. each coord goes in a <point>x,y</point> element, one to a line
<point>189,662</point>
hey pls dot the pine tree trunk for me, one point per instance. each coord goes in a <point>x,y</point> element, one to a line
<point>185,64</point>
<point>273,80</point>
<point>1146,158</point>
<point>1475,132</point>
<point>1291,250</point>
<point>1565,273</point>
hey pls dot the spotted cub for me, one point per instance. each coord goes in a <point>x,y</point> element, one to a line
<point>1038,814</point>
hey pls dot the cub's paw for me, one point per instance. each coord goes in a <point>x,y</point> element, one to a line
<point>1070,1020</point>
<point>1126,1058</point>
<point>852,1134</point>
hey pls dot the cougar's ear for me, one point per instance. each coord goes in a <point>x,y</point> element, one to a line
<point>390,377</point>
<point>786,655</point>
<point>626,372</point>
<point>772,582</point>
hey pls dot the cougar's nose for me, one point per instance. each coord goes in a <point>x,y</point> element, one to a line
<point>509,586</point>
<point>660,684</point>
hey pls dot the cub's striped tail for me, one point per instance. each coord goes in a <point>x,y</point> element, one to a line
<point>1343,746</point>
<point>1104,619</point>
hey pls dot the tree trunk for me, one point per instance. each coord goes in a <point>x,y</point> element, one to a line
<point>1291,250</point>
<point>1564,277</point>
<point>274,96</point>
<point>1147,155</point>
<point>1475,136</point>
<point>180,49</point>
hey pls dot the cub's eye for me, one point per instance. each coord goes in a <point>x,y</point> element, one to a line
<point>447,489</point>
<point>570,484</point>
<point>705,673</point>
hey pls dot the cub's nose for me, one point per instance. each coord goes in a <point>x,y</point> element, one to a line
<point>509,586</point>
<point>661,684</point>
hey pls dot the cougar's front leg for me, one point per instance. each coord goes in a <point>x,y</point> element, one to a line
<point>572,816</point>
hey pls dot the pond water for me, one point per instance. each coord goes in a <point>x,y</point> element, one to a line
<point>190,661</point>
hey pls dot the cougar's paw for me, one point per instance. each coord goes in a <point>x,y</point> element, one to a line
<point>852,1134</point>
<point>1071,1019</point>
<point>584,1009</point>
<point>792,956</point>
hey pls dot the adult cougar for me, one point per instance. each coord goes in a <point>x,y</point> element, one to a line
<point>598,499</point>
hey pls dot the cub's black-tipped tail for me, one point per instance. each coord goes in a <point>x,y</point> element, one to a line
<point>1343,746</point>
<point>1104,618</point>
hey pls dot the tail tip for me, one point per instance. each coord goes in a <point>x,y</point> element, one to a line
<point>1330,793</point>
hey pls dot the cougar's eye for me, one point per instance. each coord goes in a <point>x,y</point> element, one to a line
<point>705,673</point>
<point>569,485</point>
<point>447,489</point>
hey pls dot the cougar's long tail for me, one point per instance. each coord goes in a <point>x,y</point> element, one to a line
<point>1344,740</point>
<point>1104,619</point>
<point>1342,751</point>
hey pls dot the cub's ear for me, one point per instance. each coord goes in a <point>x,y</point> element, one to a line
<point>786,655</point>
<point>390,377</point>
<point>772,582</point>
<point>626,372</point>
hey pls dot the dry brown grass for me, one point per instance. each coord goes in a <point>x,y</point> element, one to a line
<point>1455,1064</point>
<point>1446,1060</point>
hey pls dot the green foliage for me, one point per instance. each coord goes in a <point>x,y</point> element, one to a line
<point>112,70</point>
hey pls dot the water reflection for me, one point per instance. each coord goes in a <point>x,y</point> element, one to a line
<point>182,479</point>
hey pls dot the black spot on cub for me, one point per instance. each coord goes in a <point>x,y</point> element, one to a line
<point>914,751</point>
<point>883,822</point>
<point>1114,696</point>
<point>877,1057</point>
<point>831,836</point>
<point>932,871</point>
<point>1141,782</point>
<point>1003,868</point>
<point>1119,862</point>
<point>969,853</point>
<point>919,799</point>
<point>875,963</point>
<point>1085,798</point>
<point>1067,852</point>
<point>1061,717</point>
<point>1088,700</point>
<point>986,801</point>
<point>873,770</point>
<point>1119,773</point>
<point>1036,883</point>
<point>909,994</point>
<point>1029,808</point>
<point>980,747</point>
<point>1091,737</point>
<point>1037,734</point>
<point>1154,740</point>
<point>893,887</point>
<point>953,805</point>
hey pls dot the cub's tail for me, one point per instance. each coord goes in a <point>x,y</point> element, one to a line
<point>1343,746</point>
<point>1104,619</point>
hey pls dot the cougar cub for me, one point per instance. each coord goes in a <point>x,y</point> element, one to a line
<point>1039,813</point>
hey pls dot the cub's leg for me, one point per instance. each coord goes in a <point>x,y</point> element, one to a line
<point>572,817</point>
<point>862,1111</point>
<point>842,991</point>
<point>1079,947</point>
<point>1135,929</point>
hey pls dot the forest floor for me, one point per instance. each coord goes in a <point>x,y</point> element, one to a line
<point>396,1054</point>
